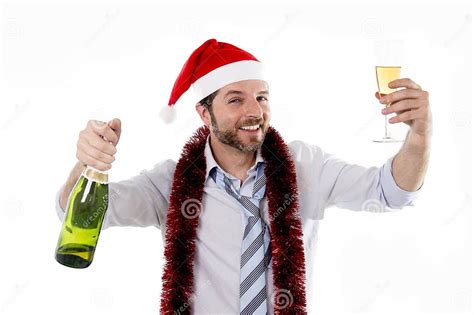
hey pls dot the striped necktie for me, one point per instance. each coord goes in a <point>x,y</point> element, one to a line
<point>256,250</point>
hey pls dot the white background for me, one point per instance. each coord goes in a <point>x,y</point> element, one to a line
<point>63,64</point>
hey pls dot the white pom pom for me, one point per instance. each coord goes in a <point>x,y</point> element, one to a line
<point>168,114</point>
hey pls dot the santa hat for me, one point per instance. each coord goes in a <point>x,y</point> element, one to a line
<point>210,67</point>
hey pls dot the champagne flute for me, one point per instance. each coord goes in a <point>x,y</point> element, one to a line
<point>388,69</point>
<point>386,74</point>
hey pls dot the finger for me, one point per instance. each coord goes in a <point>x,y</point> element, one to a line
<point>100,144</point>
<point>115,123</point>
<point>406,116</point>
<point>93,152</point>
<point>400,95</point>
<point>404,82</point>
<point>399,112</point>
<point>102,129</point>
<point>108,134</point>
<point>116,126</point>
<point>89,160</point>
<point>403,105</point>
<point>377,95</point>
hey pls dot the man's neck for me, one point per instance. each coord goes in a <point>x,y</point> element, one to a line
<point>232,160</point>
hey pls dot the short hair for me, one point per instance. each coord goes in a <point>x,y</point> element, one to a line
<point>207,101</point>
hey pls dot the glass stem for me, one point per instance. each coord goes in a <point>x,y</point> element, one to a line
<point>387,135</point>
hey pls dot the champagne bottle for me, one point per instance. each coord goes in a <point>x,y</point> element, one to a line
<point>83,218</point>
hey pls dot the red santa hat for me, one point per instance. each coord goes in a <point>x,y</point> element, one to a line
<point>210,67</point>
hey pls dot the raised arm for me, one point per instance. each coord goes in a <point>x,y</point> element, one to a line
<point>411,105</point>
<point>139,201</point>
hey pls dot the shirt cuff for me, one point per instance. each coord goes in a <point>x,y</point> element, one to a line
<point>395,197</point>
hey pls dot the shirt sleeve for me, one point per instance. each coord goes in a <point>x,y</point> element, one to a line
<point>324,180</point>
<point>139,201</point>
<point>359,188</point>
<point>394,196</point>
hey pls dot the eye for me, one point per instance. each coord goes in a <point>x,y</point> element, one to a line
<point>235,100</point>
<point>262,97</point>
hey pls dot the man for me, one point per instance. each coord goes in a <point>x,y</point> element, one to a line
<point>240,209</point>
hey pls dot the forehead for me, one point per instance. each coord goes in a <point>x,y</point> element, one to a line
<point>245,86</point>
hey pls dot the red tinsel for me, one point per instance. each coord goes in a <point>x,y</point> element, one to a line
<point>285,227</point>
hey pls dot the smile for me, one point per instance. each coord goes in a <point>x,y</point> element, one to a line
<point>250,128</point>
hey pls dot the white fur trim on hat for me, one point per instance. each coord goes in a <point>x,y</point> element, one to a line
<point>230,73</point>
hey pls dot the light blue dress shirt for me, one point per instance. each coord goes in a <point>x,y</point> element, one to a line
<point>323,181</point>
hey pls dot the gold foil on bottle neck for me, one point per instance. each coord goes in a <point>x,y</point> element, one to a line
<point>96,175</point>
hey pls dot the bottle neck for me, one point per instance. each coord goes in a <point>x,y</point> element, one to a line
<point>95,175</point>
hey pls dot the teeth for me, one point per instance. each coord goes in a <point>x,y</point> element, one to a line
<point>250,127</point>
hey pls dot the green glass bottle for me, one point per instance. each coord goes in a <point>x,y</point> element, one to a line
<point>83,218</point>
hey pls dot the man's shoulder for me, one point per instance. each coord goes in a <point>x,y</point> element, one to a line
<point>162,170</point>
<point>304,151</point>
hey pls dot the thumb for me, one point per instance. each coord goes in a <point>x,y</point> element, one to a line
<point>116,126</point>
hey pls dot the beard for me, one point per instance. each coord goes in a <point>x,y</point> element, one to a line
<point>231,138</point>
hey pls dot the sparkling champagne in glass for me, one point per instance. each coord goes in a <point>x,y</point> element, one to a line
<point>386,74</point>
<point>388,69</point>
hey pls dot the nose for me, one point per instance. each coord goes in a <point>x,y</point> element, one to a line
<point>254,109</point>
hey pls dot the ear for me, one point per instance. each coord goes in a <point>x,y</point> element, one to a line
<point>204,114</point>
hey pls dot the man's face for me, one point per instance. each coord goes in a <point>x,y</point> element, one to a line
<point>239,105</point>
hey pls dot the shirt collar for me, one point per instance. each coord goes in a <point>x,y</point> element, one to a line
<point>211,162</point>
